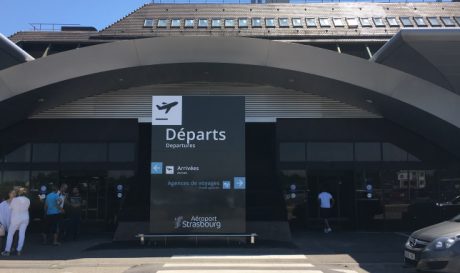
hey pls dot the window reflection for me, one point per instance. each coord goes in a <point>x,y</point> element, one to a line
<point>121,152</point>
<point>84,152</point>
<point>45,152</point>
<point>292,151</point>
<point>20,154</point>
<point>13,179</point>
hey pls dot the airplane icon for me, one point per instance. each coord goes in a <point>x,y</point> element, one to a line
<point>167,106</point>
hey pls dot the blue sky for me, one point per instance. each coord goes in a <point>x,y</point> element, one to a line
<point>15,15</point>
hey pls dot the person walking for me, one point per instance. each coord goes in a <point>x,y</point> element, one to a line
<point>326,202</point>
<point>19,221</point>
<point>53,215</point>
<point>74,213</point>
<point>5,215</point>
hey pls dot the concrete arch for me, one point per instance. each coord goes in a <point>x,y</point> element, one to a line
<point>410,101</point>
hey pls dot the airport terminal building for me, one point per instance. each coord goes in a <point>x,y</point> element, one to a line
<point>360,98</point>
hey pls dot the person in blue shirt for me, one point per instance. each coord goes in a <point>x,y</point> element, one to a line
<point>53,211</point>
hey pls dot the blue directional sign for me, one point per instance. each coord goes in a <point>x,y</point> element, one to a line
<point>156,168</point>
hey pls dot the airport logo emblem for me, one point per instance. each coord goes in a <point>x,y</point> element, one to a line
<point>169,170</point>
<point>156,168</point>
<point>226,185</point>
<point>178,221</point>
<point>167,110</point>
<point>239,183</point>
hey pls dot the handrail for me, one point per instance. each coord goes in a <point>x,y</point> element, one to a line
<point>49,26</point>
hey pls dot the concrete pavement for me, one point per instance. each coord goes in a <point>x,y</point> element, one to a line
<point>311,252</point>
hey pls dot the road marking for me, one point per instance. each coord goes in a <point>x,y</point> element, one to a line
<point>267,265</point>
<point>241,257</point>
<point>237,271</point>
<point>344,270</point>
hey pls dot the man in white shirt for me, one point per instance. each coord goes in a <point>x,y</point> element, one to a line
<point>326,202</point>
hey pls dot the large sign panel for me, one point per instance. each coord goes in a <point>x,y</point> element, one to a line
<point>198,165</point>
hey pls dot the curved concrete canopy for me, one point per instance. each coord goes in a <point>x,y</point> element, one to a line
<point>410,101</point>
<point>430,54</point>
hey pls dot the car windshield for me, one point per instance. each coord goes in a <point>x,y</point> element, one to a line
<point>456,219</point>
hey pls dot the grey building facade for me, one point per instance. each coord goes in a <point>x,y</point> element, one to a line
<point>361,98</point>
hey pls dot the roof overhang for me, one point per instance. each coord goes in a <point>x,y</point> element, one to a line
<point>430,54</point>
<point>419,105</point>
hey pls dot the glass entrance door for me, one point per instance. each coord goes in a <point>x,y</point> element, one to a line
<point>295,192</point>
<point>340,185</point>
<point>92,186</point>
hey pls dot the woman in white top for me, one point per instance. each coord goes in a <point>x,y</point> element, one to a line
<point>19,221</point>
<point>5,212</point>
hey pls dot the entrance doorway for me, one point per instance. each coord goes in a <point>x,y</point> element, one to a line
<point>93,191</point>
<point>301,188</point>
<point>340,185</point>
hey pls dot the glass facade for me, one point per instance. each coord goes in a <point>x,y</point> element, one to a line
<point>292,152</point>
<point>377,185</point>
<point>19,154</point>
<point>83,152</point>
<point>45,152</point>
<point>40,164</point>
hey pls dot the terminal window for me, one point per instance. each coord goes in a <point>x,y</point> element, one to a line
<point>434,22</point>
<point>215,23</point>
<point>457,18</point>
<point>406,21</point>
<point>448,22</point>
<point>368,151</point>
<point>256,22</point>
<point>148,23</point>
<point>19,154</point>
<point>379,22</point>
<point>203,23</point>
<point>45,152</point>
<point>243,22</point>
<point>338,22</point>
<point>392,152</point>
<point>162,23</point>
<point>292,151</point>
<point>311,22</point>
<point>365,22</point>
<point>175,23</point>
<point>392,22</point>
<point>83,152</point>
<point>229,23</point>
<point>352,22</point>
<point>270,22</point>
<point>329,151</point>
<point>189,23</point>
<point>420,21</point>
<point>324,22</point>
<point>296,22</point>
<point>283,22</point>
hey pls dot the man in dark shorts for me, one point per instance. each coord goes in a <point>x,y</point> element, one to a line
<point>53,212</point>
<point>326,202</point>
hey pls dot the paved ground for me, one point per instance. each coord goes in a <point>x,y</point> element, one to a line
<point>341,252</point>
